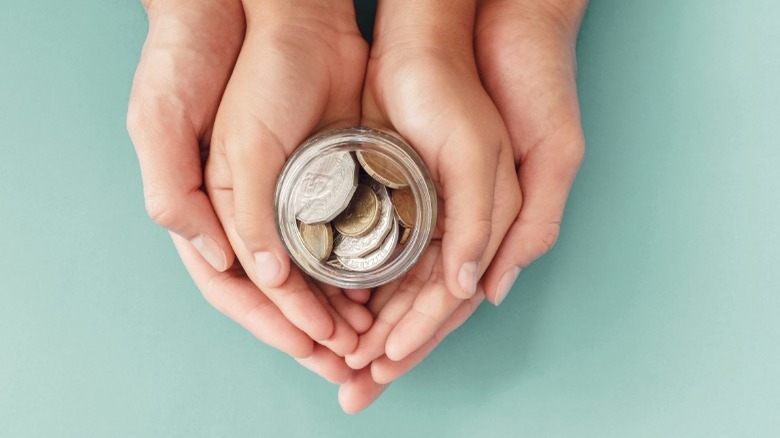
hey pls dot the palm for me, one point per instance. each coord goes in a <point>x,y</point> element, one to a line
<point>186,65</point>
<point>289,81</point>
<point>438,104</point>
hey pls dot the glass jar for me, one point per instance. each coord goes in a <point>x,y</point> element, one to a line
<point>318,196</point>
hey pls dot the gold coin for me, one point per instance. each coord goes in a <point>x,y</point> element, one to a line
<point>318,239</point>
<point>361,215</point>
<point>405,207</point>
<point>382,169</point>
<point>405,233</point>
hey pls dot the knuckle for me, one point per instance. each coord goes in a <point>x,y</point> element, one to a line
<point>163,211</point>
<point>547,239</point>
<point>143,115</point>
<point>249,228</point>
<point>213,292</point>
<point>482,229</point>
<point>573,150</point>
<point>136,121</point>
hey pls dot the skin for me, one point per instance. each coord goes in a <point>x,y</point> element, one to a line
<point>422,81</point>
<point>525,53</point>
<point>485,92</point>
<point>172,119</point>
<point>296,74</point>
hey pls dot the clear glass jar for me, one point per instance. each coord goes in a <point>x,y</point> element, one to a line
<point>318,173</point>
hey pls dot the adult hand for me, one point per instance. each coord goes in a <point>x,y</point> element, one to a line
<point>185,64</point>
<point>234,294</point>
<point>189,55</point>
<point>527,61</point>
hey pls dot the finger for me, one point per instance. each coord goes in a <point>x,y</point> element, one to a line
<point>382,295</point>
<point>256,158</point>
<point>431,308</point>
<point>372,343</point>
<point>344,339</point>
<point>359,391</point>
<point>166,121</point>
<point>294,298</point>
<point>545,177</point>
<point>548,141</point>
<point>432,96</point>
<point>281,91</point>
<point>239,299</point>
<point>384,370</point>
<point>467,173</point>
<point>326,364</point>
<point>360,296</point>
<point>354,313</point>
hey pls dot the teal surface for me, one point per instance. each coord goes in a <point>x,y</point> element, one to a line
<point>658,313</point>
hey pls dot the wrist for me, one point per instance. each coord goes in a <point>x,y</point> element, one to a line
<point>405,26</point>
<point>335,14</point>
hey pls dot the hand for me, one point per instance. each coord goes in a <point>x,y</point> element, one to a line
<point>237,297</point>
<point>422,81</point>
<point>299,71</point>
<point>186,62</point>
<point>185,65</point>
<point>527,61</point>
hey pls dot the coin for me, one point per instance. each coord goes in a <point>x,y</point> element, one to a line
<point>318,239</point>
<point>326,187</point>
<point>405,206</point>
<point>361,214</point>
<point>382,169</point>
<point>405,234</point>
<point>346,246</point>
<point>374,259</point>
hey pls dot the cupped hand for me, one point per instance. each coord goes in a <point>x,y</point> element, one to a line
<point>422,82</point>
<point>527,61</point>
<point>300,70</point>
<point>185,64</point>
<point>526,58</point>
<point>234,294</point>
<point>187,61</point>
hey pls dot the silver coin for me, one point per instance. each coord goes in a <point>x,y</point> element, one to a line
<point>327,185</point>
<point>376,258</point>
<point>345,246</point>
<point>334,262</point>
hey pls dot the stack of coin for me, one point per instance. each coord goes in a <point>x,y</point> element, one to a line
<point>354,211</point>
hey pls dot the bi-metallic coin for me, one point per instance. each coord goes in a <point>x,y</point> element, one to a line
<point>361,214</point>
<point>405,206</point>
<point>318,239</point>
<point>382,169</point>
<point>346,246</point>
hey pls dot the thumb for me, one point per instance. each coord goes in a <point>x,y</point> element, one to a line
<point>545,176</point>
<point>165,128</point>
<point>172,177</point>
<point>467,176</point>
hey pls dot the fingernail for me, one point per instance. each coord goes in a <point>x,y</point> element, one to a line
<point>267,267</point>
<point>467,278</point>
<point>505,284</point>
<point>211,251</point>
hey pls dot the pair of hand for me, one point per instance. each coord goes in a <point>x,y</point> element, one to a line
<point>480,90</point>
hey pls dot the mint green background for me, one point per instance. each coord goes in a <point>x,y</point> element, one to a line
<point>658,313</point>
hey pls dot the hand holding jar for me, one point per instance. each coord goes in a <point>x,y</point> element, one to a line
<point>246,84</point>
